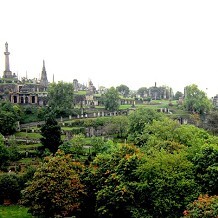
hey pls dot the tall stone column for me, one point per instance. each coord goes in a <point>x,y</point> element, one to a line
<point>7,65</point>
<point>7,72</point>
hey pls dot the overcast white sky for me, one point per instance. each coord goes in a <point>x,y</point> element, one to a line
<point>113,42</point>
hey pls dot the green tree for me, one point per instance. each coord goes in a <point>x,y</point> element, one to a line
<point>56,188</point>
<point>78,143</point>
<point>4,153</point>
<point>196,100</point>
<point>8,123</point>
<point>212,122</point>
<point>109,182</point>
<point>166,132</point>
<point>9,116</point>
<point>165,92</point>
<point>10,187</point>
<point>178,95</point>
<point>121,123</point>
<point>143,92</point>
<point>206,169</point>
<point>9,107</point>
<point>161,134</point>
<point>66,147</point>
<point>99,145</point>
<point>117,125</point>
<point>195,119</point>
<point>111,99</point>
<point>51,134</point>
<point>60,98</point>
<point>13,150</point>
<point>137,122</point>
<point>123,90</point>
<point>166,184</point>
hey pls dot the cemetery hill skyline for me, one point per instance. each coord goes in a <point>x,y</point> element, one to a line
<point>38,78</point>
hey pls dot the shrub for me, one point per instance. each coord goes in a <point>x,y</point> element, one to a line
<point>9,187</point>
<point>56,188</point>
<point>204,207</point>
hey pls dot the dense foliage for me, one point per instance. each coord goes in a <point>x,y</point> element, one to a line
<point>166,183</point>
<point>212,122</point>
<point>10,187</point>
<point>123,90</point>
<point>7,153</point>
<point>196,100</point>
<point>138,120</point>
<point>51,134</point>
<point>158,169</point>
<point>111,99</point>
<point>178,95</point>
<point>60,98</point>
<point>56,188</point>
<point>142,92</point>
<point>205,206</point>
<point>9,116</point>
<point>109,182</point>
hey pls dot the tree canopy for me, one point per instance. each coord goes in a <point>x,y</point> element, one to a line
<point>177,95</point>
<point>111,99</point>
<point>138,120</point>
<point>162,167</point>
<point>196,100</point>
<point>143,92</point>
<point>51,134</point>
<point>123,90</point>
<point>55,189</point>
<point>204,206</point>
<point>9,116</point>
<point>60,97</point>
<point>212,122</point>
<point>166,183</point>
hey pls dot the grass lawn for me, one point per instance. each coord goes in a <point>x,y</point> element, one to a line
<point>125,106</point>
<point>66,128</point>
<point>14,211</point>
<point>81,93</point>
<point>30,160</point>
<point>31,135</point>
<point>30,146</point>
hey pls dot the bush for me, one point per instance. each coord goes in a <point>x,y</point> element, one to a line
<point>204,206</point>
<point>9,187</point>
<point>78,130</point>
<point>4,156</point>
<point>56,188</point>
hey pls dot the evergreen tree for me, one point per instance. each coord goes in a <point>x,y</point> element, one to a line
<point>51,134</point>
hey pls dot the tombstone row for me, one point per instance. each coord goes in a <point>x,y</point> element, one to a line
<point>101,114</point>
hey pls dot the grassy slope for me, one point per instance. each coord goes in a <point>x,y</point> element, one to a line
<point>14,211</point>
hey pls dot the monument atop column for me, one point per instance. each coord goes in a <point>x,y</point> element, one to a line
<point>7,73</point>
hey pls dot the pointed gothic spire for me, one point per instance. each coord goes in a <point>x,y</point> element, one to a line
<point>43,68</point>
<point>44,80</point>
